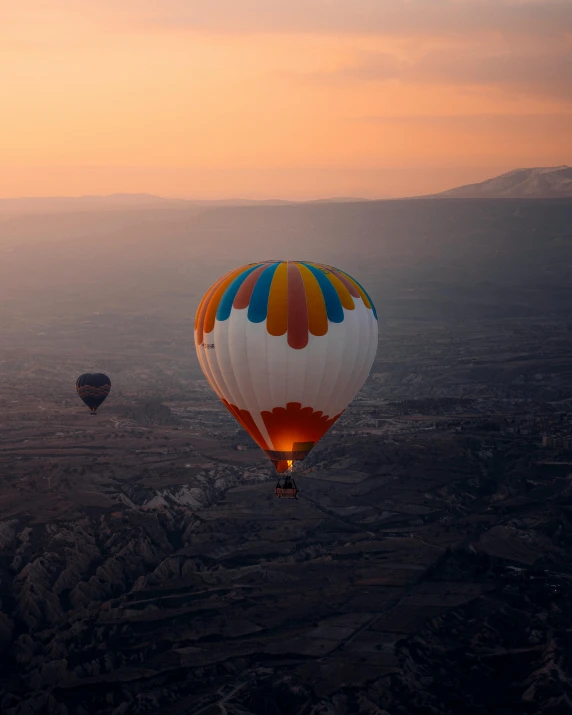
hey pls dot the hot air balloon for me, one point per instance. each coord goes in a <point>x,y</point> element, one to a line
<point>286,345</point>
<point>93,388</point>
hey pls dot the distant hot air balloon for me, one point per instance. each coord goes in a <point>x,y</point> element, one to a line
<point>286,345</point>
<point>93,388</point>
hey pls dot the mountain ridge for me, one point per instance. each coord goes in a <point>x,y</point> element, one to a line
<point>541,182</point>
<point>136,201</point>
<point>522,183</point>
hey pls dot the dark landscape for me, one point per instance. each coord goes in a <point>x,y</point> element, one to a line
<point>145,564</point>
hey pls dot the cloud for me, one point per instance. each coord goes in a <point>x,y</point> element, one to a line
<point>547,73</point>
<point>556,121</point>
<point>535,131</point>
<point>516,69</point>
<point>434,18</point>
<point>522,46</point>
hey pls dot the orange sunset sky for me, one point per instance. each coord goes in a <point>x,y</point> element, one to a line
<point>279,98</point>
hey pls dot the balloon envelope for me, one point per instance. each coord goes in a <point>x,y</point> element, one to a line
<point>286,345</point>
<point>93,388</point>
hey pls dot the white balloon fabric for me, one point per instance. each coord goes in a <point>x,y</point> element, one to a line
<point>286,346</point>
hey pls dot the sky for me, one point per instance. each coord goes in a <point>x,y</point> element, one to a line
<point>291,99</point>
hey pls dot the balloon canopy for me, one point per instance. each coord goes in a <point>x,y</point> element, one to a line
<point>286,346</point>
<point>93,388</point>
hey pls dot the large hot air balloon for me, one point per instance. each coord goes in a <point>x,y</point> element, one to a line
<point>93,388</point>
<point>286,345</point>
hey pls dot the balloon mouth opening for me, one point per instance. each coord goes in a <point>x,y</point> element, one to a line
<point>284,461</point>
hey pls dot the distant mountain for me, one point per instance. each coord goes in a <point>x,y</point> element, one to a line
<point>113,202</point>
<point>119,202</point>
<point>338,200</point>
<point>536,183</point>
<point>59,204</point>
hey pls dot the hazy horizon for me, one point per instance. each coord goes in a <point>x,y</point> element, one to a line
<point>400,175</point>
<point>264,197</point>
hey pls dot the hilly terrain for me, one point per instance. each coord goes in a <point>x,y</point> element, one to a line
<point>146,567</point>
<point>536,183</point>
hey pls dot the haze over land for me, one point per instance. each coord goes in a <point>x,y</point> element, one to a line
<point>146,565</point>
